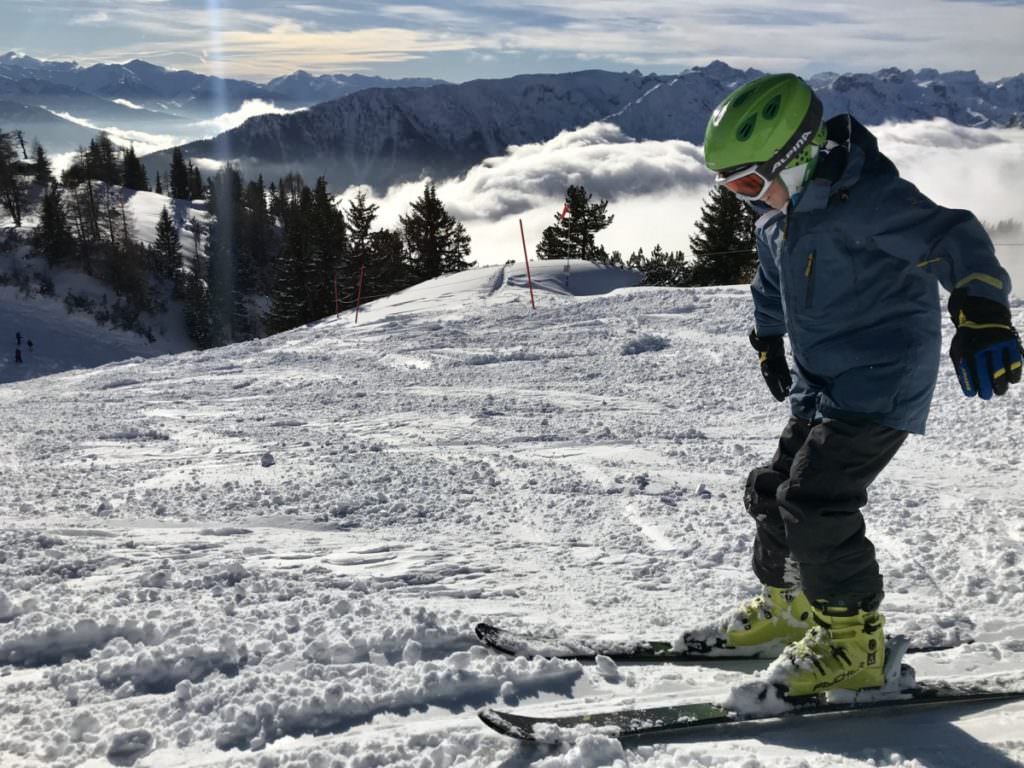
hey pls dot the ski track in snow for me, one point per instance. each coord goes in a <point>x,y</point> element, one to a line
<point>166,599</point>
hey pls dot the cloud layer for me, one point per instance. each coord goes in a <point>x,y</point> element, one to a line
<point>460,39</point>
<point>656,188</point>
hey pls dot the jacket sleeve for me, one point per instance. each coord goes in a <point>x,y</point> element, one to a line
<point>947,243</point>
<point>769,319</point>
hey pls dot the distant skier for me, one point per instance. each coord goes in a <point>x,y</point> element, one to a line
<point>17,335</point>
<point>29,345</point>
<point>850,257</point>
<point>17,354</point>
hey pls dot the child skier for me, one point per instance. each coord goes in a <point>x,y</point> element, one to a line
<point>850,257</point>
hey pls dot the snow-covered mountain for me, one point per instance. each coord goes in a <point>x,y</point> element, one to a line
<point>106,93</point>
<point>305,88</point>
<point>380,137</point>
<point>273,554</point>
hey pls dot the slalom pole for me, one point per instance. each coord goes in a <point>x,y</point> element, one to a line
<point>337,306</point>
<point>359,291</point>
<point>529,277</point>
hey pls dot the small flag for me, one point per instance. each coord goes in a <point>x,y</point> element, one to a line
<point>565,211</point>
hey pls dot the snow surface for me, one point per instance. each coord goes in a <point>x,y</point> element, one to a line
<point>170,597</point>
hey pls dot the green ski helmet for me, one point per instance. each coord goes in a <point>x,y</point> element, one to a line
<point>773,122</point>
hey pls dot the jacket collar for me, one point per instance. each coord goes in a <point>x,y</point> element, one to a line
<point>839,166</point>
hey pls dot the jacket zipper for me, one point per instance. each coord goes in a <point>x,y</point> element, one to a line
<point>809,277</point>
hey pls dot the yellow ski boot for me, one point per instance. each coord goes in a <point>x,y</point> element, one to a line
<point>842,652</point>
<point>776,617</point>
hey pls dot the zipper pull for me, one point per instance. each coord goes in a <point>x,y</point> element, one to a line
<point>810,265</point>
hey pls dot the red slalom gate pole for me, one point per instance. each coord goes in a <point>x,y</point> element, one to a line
<point>529,277</point>
<point>359,290</point>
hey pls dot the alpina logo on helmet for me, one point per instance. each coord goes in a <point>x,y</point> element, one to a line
<point>792,151</point>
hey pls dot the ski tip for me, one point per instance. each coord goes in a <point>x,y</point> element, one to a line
<point>496,721</point>
<point>485,632</point>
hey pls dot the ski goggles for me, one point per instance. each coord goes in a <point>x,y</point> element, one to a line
<point>747,183</point>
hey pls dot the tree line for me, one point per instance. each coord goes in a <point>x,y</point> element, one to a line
<point>722,247</point>
<point>272,257</point>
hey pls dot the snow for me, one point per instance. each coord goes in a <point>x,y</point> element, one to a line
<point>169,597</point>
<point>65,341</point>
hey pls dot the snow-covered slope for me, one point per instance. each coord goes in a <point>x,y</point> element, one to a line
<point>272,554</point>
<point>64,340</point>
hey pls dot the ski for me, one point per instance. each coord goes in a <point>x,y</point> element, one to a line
<point>637,722</point>
<point>522,644</point>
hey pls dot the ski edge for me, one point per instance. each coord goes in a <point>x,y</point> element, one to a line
<point>649,651</point>
<point>522,727</point>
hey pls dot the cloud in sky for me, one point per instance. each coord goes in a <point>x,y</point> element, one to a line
<point>461,39</point>
<point>656,188</point>
<point>230,120</point>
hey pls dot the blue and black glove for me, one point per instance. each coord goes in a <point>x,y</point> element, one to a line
<point>986,350</point>
<point>774,368</point>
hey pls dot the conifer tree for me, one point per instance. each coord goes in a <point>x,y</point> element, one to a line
<point>437,243</point>
<point>288,299</point>
<point>389,269</point>
<point>360,224</point>
<point>197,308</point>
<point>43,171</point>
<point>573,236</point>
<point>102,162</point>
<point>661,267</point>
<point>158,188</point>
<point>723,247</point>
<point>179,180</point>
<point>53,238</point>
<point>195,182</point>
<point>134,172</point>
<point>167,245</point>
<point>328,256</point>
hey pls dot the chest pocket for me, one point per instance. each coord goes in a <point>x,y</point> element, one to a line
<point>823,278</point>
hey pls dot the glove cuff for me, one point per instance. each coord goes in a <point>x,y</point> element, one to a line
<point>768,344</point>
<point>976,310</point>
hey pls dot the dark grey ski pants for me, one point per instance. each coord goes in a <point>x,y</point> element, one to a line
<point>807,506</point>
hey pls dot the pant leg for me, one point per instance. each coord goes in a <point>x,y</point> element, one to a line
<point>771,550</point>
<point>821,502</point>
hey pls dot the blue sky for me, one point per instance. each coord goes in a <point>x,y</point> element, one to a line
<point>463,39</point>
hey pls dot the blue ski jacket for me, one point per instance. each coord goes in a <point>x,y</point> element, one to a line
<point>850,271</point>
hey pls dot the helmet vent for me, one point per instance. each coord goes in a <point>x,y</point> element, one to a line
<point>742,97</point>
<point>771,109</point>
<point>746,129</point>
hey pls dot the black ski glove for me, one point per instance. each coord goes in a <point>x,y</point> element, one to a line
<point>986,350</point>
<point>774,368</point>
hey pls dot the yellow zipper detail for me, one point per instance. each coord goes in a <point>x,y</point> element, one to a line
<point>810,264</point>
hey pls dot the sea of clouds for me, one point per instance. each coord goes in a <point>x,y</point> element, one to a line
<point>656,188</point>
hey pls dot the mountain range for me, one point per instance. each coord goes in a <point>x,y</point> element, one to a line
<point>380,137</point>
<point>357,129</point>
<point>67,98</point>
